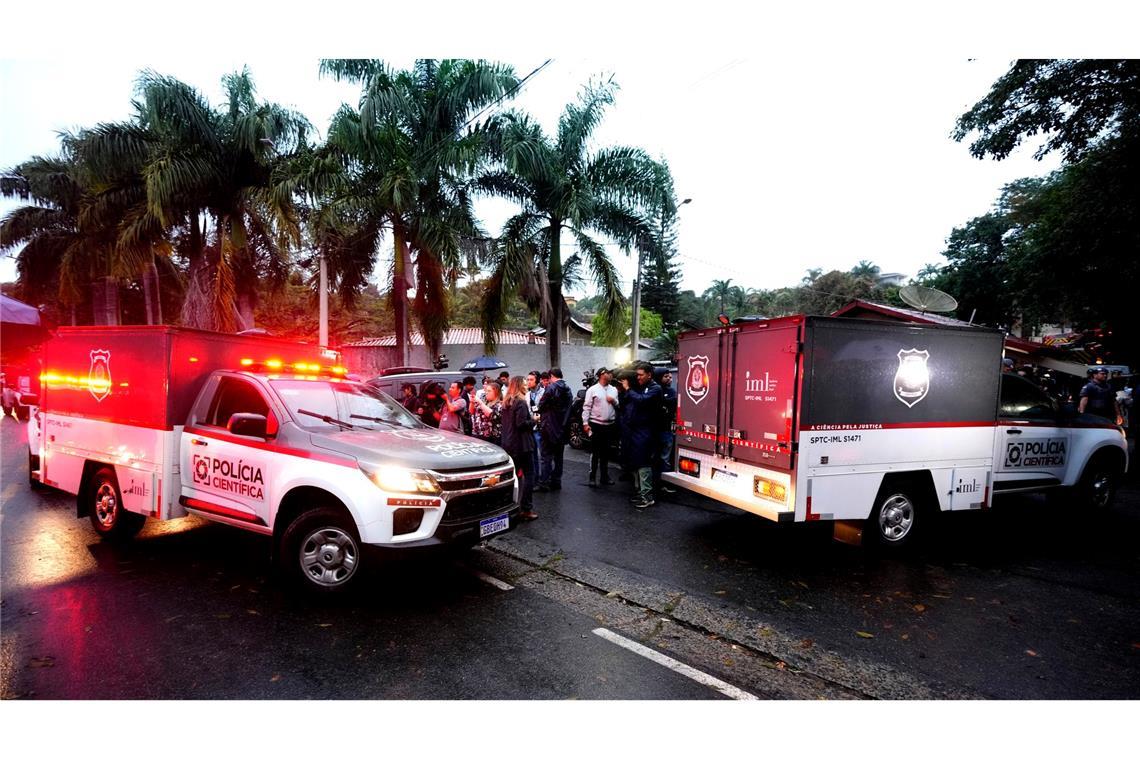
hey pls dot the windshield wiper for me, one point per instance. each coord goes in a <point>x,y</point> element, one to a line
<point>381,420</point>
<point>325,418</point>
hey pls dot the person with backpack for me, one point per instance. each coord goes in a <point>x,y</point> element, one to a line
<point>554,418</point>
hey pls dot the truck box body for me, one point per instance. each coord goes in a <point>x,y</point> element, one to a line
<point>771,413</point>
<point>143,375</point>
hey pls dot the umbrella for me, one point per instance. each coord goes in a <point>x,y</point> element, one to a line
<point>20,325</point>
<point>483,364</point>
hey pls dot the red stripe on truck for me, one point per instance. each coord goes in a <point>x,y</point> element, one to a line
<point>216,509</point>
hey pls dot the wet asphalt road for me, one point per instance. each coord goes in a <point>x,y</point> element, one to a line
<point>1016,603</point>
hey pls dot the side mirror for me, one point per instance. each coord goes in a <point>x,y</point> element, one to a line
<point>252,425</point>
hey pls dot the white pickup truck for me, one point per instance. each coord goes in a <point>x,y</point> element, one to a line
<point>876,425</point>
<point>162,422</point>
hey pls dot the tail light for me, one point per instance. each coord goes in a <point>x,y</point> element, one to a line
<point>769,489</point>
<point>691,467</point>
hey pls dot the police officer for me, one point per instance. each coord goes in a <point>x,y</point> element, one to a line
<point>1098,397</point>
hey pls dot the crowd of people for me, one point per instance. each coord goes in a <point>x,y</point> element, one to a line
<point>530,415</point>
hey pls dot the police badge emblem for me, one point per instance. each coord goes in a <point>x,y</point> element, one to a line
<point>99,375</point>
<point>697,381</point>
<point>912,379</point>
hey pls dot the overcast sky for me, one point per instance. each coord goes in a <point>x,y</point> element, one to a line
<point>794,157</point>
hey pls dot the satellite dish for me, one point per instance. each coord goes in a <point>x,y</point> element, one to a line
<point>927,299</point>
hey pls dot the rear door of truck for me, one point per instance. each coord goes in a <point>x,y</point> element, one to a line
<point>702,369</point>
<point>761,396</point>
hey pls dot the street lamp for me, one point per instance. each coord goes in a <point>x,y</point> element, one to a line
<point>635,317</point>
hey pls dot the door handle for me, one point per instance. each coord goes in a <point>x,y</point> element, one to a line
<point>198,442</point>
<point>1013,431</point>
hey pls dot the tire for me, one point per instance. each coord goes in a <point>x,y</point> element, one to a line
<point>321,551</point>
<point>105,503</point>
<point>1096,489</point>
<point>898,518</point>
<point>577,436</point>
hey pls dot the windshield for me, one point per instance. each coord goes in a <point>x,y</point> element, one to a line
<point>360,405</point>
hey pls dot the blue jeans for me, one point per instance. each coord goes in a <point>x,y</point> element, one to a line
<point>537,453</point>
<point>551,474</point>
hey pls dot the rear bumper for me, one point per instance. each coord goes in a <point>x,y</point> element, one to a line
<point>748,505</point>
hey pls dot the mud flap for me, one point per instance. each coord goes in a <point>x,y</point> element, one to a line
<point>848,532</point>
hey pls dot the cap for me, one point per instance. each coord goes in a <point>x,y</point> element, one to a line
<point>1007,362</point>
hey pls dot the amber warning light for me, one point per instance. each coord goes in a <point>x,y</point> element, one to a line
<point>689,466</point>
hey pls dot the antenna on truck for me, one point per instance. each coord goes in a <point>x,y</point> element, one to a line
<point>927,299</point>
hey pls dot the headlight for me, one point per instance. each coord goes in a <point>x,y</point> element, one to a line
<point>399,480</point>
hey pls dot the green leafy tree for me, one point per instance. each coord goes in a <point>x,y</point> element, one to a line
<point>1070,251</point>
<point>617,334</point>
<point>564,187</point>
<point>1078,104</point>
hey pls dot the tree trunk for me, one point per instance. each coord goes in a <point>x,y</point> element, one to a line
<point>152,294</point>
<point>554,293</point>
<point>105,301</point>
<point>244,311</point>
<point>400,295</point>
<point>194,313</point>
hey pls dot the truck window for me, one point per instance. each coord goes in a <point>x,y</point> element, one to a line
<point>1021,398</point>
<point>235,396</point>
<point>361,405</point>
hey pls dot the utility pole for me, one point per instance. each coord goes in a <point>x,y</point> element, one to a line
<point>323,338</point>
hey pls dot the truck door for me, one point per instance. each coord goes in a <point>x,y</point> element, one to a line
<point>760,397</point>
<point>1032,446</point>
<point>224,474</point>
<point>701,367</point>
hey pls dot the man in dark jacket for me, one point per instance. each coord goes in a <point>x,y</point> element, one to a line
<point>644,418</point>
<point>554,413</point>
<point>664,461</point>
<point>1098,397</point>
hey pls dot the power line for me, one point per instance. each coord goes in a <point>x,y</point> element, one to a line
<point>509,92</point>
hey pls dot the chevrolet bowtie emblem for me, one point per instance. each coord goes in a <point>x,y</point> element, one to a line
<point>491,480</point>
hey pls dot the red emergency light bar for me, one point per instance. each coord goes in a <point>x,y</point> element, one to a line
<point>300,368</point>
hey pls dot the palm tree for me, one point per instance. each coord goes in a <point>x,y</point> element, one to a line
<point>203,166</point>
<point>561,186</point>
<point>68,234</point>
<point>407,155</point>
<point>720,292</point>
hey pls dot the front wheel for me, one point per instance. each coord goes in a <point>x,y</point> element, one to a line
<point>1097,487</point>
<point>110,520</point>
<point>321,550</point>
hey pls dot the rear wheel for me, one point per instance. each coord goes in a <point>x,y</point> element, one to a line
<point>105,503</point>
<point>321,551</point>
<point>898,517</point>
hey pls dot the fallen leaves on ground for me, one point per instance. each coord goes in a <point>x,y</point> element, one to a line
<point>864,635</point>
<point>1030,652</point>
<point>42,662</point>
<point>920,608</point>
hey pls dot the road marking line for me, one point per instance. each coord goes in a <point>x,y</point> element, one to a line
<point>502,585</point>
<point>702,678</point>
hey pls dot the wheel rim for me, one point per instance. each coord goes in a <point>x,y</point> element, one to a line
<point>329,557</point>
<point>1101,489</point>
<point>896,518</point>
<point>106,505</point>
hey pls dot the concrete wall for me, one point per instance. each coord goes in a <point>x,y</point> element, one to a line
<point>520,359</point>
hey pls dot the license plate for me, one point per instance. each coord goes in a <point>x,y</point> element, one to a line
<point>493,525</point>
<point>724,476</point>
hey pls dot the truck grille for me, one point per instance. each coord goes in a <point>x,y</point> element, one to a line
<point>468,506</point>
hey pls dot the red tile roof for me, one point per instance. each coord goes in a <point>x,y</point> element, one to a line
<point>456,336</point>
